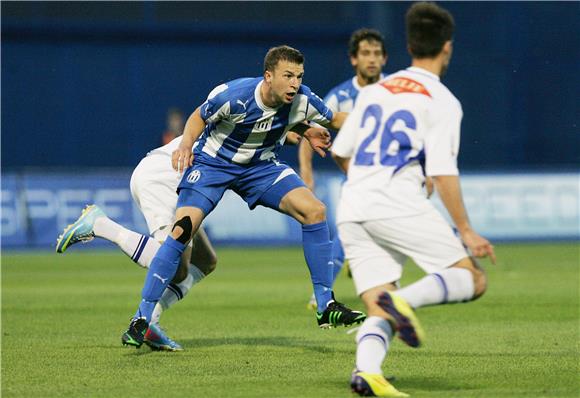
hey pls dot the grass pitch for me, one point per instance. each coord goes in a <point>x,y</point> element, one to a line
<point>247,333</point>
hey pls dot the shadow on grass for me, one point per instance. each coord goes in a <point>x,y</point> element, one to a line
<point>269,341</point>
<point>434,385</point>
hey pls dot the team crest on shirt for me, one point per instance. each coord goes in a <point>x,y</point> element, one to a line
<point>398,85</point>
<point>193,176</point>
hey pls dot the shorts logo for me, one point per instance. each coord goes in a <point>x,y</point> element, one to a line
<point>193,176</point>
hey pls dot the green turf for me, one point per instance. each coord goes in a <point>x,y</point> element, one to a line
<point>247,333</point>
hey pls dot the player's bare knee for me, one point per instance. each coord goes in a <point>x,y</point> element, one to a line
<point>212,264</point>
<point>208,266</point>
<point>182,230</point>
<point>477,273</point>
<point>316,213</point>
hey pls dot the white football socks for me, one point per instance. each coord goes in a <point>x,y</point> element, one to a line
<point>372,340</point>
<point>450,285</point>
<point>176,291</point>
<point>140,248</point>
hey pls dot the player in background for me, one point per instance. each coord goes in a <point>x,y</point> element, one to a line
<point>241,127</point>
<point>175,123</point>
<point>153,187</point>
<point>383,214</point>
<point>368,55</point>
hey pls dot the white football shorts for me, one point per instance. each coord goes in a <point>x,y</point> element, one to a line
<point>153,187</point>
<point>376,250</point>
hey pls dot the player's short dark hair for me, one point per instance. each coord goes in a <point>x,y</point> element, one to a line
<point>428,28</point>
<point>282,53</point>
<point>369,35</point>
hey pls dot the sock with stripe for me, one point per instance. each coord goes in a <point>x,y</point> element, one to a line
<point>161,272</point>
<point>176,292</point>
<point>318,254</point>
<point>372,344</point>
<point>450,285</point>
<point>140,248</point>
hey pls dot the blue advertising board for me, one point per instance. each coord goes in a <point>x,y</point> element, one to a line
<point>37,206</point>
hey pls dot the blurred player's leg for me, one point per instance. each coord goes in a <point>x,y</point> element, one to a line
<point>452,275</point>
<point>93,222</point>
<point>202,262</point>
<point>166,261</point>
<point>373,341</point>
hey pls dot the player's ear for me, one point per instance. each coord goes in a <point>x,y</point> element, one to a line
<point>268,76</point>
<point>448,47</point>
<point>353,61</point>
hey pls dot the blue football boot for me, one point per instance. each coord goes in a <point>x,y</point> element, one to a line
<point>157,340</point>
<point>81,230</point>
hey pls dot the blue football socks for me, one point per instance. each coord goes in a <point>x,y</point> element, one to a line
<point>318,254</point>
<point>161,272</point>
<point>337,258</point>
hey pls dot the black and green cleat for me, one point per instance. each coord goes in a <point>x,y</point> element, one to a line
<point>135,334</point>
<point>337,314</point>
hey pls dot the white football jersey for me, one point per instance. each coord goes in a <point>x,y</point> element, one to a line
<point>406,122</point>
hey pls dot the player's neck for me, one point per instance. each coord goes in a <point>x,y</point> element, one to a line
<point>365,81</point>
<point>433,65</point>
<point>267,96</point>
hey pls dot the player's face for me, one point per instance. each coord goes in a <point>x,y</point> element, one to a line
<point>284,82</point>
<point>369,60</point>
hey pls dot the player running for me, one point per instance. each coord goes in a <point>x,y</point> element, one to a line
<point>153,187</point>
<point>241,127</point>
<point>407,118</point>
<point>368,55</point>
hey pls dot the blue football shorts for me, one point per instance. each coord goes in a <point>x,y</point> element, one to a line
<point>264,183</point>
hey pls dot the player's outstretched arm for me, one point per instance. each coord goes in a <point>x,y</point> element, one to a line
<point>341,162</point>
<point>449,190</point>
<point>305,152</point>
<point>182,157</point>
<point>337,121</point>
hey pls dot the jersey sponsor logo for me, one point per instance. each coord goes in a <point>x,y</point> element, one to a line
<point>193,176</point>
<point>264,125</point>
<point>400,85</point>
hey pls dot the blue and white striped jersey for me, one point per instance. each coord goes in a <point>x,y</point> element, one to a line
<point>342,97</point>
<point>242,130</point>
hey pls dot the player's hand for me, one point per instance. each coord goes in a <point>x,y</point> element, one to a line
<point>293,138</point>
<point>319,139</point>
<point>478,245</point>
<point>181,159</point>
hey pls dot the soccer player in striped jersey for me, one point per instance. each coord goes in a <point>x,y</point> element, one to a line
<point>153,187</point>
<point>240,128</point>
<point>405,120</point>
<point>368,55</point>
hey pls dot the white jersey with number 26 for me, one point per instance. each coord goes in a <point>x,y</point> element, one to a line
<point>404,122</point>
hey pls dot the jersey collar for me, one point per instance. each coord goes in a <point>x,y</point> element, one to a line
<point>258,98</point>
<point>424,72</point>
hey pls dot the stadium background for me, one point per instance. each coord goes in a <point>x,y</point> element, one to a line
<point>86,86</point>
